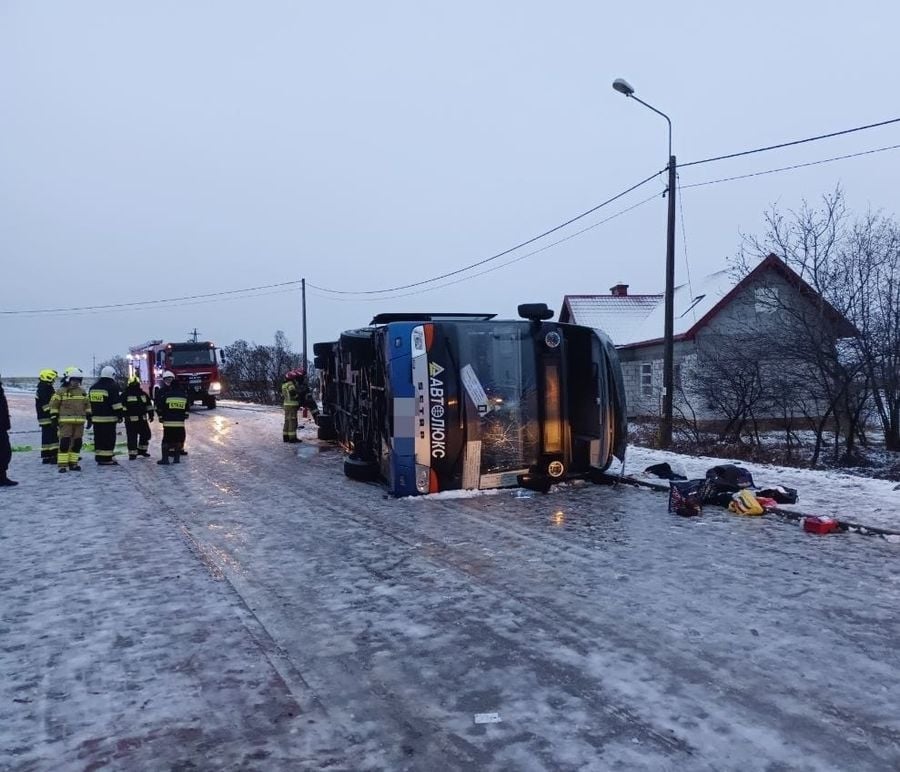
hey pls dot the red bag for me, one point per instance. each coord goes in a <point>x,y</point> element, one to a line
<point>820,525</point>
<point>767,503</point>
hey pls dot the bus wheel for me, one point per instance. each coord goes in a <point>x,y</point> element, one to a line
<point>361,470</point>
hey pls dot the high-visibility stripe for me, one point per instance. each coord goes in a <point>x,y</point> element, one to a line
<point>105,419</point>
<point>104,453</point>
<point>118,406</point>
<point>174,423</point>
<point>45,421</point>
<point>72,420</point>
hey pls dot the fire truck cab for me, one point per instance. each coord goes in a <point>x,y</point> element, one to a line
<point>194,364</point>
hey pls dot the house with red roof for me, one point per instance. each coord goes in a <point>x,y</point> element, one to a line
<point>720,305</point>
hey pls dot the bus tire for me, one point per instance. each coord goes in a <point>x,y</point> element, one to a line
<point>360,470</point>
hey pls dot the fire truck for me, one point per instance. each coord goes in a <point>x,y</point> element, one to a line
<point>194,364</point>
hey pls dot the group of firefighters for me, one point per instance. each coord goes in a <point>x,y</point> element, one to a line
<point>64,413</point>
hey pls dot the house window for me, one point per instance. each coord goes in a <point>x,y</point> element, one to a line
<point>766,300</point>
<point>646,379</point>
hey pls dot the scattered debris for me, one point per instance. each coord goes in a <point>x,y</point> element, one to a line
<point>665,471</point>
<point>487,718</point>
<point>820,525</point>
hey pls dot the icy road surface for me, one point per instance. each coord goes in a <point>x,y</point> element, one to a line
<point>253,609</point>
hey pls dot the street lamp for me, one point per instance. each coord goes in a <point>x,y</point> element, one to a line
<point>665,427</point>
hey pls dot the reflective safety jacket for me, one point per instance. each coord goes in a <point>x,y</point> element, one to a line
<point>172,405</point>
<point>106,401</point>
<point>289,394</point>
<point>42,402</point>
<point>137,404</point>
<point>70,404</point>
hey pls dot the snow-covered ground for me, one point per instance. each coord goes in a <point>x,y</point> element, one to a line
<point>253,609</point>
<point>873,503</point>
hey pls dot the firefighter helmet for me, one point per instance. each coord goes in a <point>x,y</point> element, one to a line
<point>73,372</point>
<point>107,372</point>
<point>48,376</point>
<point>133,378</point>
<point>168,374</point>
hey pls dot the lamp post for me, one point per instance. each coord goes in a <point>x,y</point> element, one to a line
<point>665,426</point>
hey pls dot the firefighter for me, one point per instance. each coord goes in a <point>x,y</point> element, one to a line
<point>106,410</point>
<point>291,403</point>
<point>172,409</point>
<point>71,408</point>
<point>5,447</point>
<point>304,395</point>
<point>49,441</point>
<point>139,410</point>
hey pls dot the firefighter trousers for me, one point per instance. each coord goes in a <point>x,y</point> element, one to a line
<point>137,433</point>
<point>104,441</point>
<point>49,439</point>
<point>290,422</point>
<point>70,439</point>
<point>173,440</point>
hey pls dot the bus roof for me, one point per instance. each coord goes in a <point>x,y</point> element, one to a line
<point>411,317</point>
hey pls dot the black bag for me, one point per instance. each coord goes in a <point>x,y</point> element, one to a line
<point>686,498</point>
<point>781,493</point>
<point>730,478</point>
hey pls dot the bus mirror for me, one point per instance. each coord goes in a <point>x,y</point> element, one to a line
<point>222,356</point>
<point>536,312</point>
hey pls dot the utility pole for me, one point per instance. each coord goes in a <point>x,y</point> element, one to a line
<point>194,335</point>
<point>303,305</point>
<point>665,425</point>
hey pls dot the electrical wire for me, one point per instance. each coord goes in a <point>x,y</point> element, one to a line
<point>687,265</point>
<point>492,268</point>
<point>146,306</point>
<point>789,168</point>
<point>111,306</point>
<point>789,144</point>
<point>492,257</point>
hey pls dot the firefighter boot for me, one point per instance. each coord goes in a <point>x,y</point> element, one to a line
<point>164,461</point>
<point>176,457</point>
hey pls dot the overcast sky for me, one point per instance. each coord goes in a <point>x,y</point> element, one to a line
<point>158,150</point>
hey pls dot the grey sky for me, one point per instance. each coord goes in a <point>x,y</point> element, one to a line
<point>162,149</point>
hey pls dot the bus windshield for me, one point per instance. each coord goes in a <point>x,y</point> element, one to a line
<point>498,374</point>
<point>187,357</point>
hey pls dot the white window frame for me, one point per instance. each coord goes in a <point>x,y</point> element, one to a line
<point>647,373</point>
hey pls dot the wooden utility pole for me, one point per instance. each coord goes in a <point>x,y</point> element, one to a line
<point>303,305</point>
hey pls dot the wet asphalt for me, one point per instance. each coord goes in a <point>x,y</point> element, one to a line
<point>251,608</point>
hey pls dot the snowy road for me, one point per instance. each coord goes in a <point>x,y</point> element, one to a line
<point>253,609</point>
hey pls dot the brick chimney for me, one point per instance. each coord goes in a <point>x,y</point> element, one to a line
<point>619,290</point>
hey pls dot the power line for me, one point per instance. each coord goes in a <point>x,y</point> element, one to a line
<point>111,306</point>
<point>789,144</point>
<point>495,267</point>
<point>789,168</point>
<point>492,257</point>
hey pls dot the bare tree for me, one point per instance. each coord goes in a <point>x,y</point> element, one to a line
<point>117,363</point>
<point>814,242</point>
<point>254,372</point>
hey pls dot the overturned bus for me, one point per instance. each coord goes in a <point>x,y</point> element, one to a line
<point>433,402</point>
